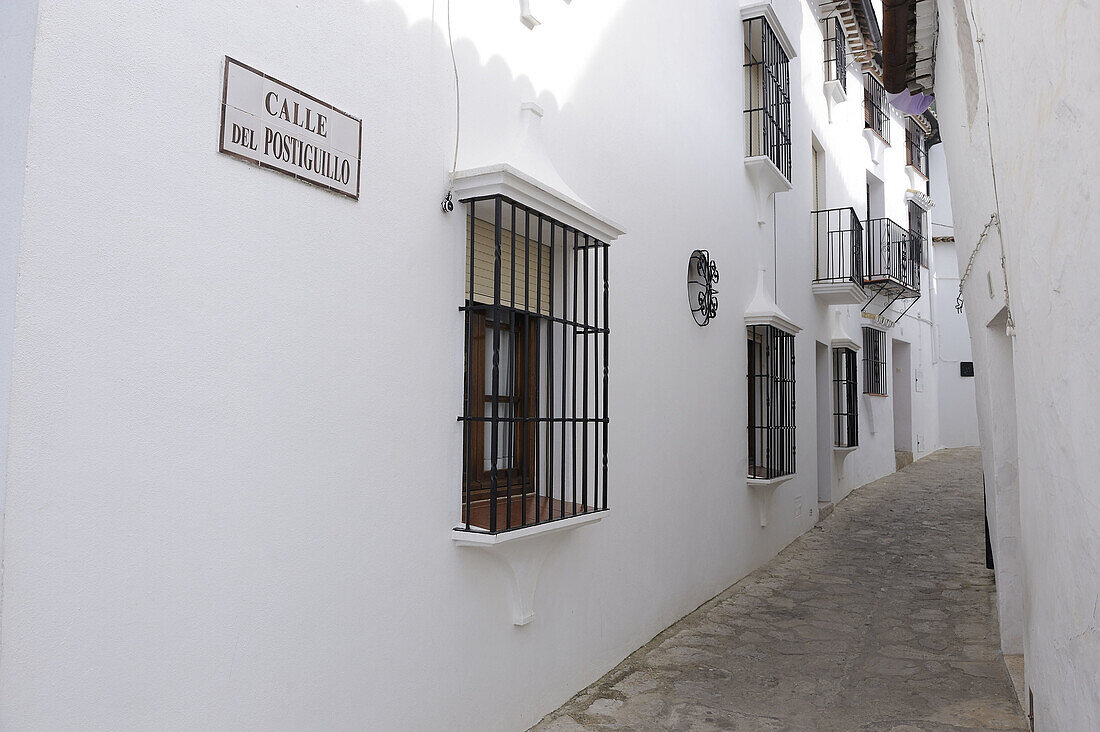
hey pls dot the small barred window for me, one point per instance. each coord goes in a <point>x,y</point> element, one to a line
<point>845,398</point>
<point>535,409</point>
<point>915,152</point>
<point>767,96</point>
<point>771,402</point>
<point>874,362</point>
<point>836,52</point>
<point>875,110</point>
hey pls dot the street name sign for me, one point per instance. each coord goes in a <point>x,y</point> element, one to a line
<point>276,126</point>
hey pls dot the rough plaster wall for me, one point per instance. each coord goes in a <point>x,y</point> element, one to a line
<point>227,382</point>
<point>1040,85</point>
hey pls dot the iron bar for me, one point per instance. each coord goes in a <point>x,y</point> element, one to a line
<point>838,243</point>
<point>836,52</point>
<point>767,95</point>
<point>845,398</point>
<point>771,380</point>
<point>874,362</point>
<point>875,111</point>
<point>511,449</point>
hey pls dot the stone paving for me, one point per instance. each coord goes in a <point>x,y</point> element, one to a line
<point>880,618</point>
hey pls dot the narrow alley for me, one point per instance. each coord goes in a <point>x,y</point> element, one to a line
<point>881,618</point>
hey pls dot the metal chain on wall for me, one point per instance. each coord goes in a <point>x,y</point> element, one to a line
<point>973,256</point>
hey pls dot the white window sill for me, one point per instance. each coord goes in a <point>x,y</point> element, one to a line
<point>477,537</point>
<point>768,482</point>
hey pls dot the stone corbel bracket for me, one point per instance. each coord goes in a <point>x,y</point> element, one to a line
<point>522,553</point>
<point>875,144</point>
<point>525,15</point>
<point>765,487</point>
<point>767,180</point>
<point>835,94</point>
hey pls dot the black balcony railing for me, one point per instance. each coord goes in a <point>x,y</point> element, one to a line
<point>875,114</point>
<point>836,53</point>
<point>838,245</point>
<point>917,251</point>
<point>915,152</point>
<point>890,260</point>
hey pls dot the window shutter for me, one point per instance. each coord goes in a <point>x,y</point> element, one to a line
<point>484,264</point>
<point>475,407</point>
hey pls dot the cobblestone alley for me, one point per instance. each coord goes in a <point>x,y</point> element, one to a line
<point>880,618</point>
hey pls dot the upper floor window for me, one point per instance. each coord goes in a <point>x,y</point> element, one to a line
<point>535,408</point>
<point>771,402</point>
<point>845,401</point>
<point>875,111</point>
<point>874,362</point>
<point>767,95</point>
<point>836,52</point>
<point>915,152</point>
<point>917,238</point>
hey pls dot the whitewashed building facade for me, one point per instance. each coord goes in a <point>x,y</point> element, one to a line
<point>321,453</point>
<point>1014,82</point>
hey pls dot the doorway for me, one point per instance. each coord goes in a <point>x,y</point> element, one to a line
<point>903,397</point>
<point>824,423</point>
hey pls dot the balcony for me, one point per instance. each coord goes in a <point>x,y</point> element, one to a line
<point>838,254</point>
<point>891,269</point>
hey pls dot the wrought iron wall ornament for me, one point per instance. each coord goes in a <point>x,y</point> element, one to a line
<point>702,276</point>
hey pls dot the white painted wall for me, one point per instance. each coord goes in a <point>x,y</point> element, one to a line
<point>17,34</point>
<point>1008,113</point>
<point>233,460</point>
<point>958,418</point>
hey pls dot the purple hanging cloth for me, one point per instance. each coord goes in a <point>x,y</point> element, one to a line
<point>910,103</point>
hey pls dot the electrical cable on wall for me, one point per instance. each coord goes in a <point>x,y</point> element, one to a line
<point>775,254</point>
<point>995,218</point>
<point>447,205</point>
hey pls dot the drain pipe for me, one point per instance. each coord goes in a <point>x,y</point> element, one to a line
<point>895,43</point>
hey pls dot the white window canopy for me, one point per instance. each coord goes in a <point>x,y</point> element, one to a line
<point>762,309</point>
<point>525,174</point>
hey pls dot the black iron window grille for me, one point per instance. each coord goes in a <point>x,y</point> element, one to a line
<point>875,111</point>
<point>836,52</point>
<point>874,362</point>
<point>915,152</point>
<point>535,408</point>
<point>890,259</point>
<point>845,398</point>
<point>918,242</point>
<point>767,96</point>
<point>838,243</point>
<point>771,402</point>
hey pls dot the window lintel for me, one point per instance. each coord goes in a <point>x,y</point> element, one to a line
<point>505,180</point>
<point>765,10</point>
